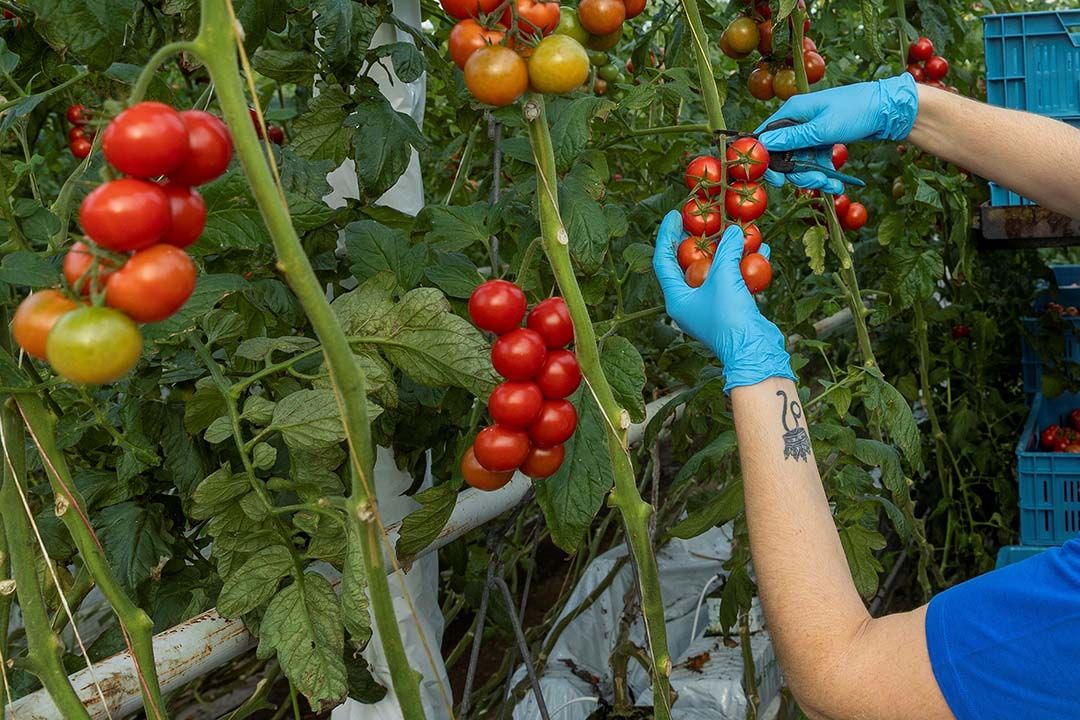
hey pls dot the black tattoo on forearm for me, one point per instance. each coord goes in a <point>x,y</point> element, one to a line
<point>796,440</point>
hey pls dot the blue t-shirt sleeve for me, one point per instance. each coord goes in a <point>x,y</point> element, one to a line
<point>1007,644</point>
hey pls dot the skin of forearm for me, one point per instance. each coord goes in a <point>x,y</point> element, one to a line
<point>1035,156</point>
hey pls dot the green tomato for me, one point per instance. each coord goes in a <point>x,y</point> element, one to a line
<point>598,58</point>
<point>570,25</point>
<point>93,345</point>
<point>609,72</point>
<point>606,42</point>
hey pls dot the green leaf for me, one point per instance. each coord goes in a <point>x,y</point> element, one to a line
<point>217,492</point>
<point>423,525</point>
<point>383,143</point>
<point>814,245</point>
<point>723,445</point>
<point>585,223</point>
<point>277,61</point>
<point>262,349</point>
<point>263,456</point>
<point>91,30</point>
<point>625,371</point>
<point>209,291</point>
<point>926,194</point>
<point>570,129</point>
<point>303,626</point>
<point>456,227</point>
<point>860,545</point>
<point>408,61</point>
<point>36,222</point>
<point>871,17</point>
<point>346,29</point>
<point>101,488</point>
<point>571,497</point>
<point>234,229</point>
<point>877,454</point>
<point>219,431</point>
<point>914,273</point>
<point>8,60</point>
<point>24,268</point>
<point>721,509</point>
<point>373,248</point>
<point>320,133</point>
<point>354,599</point>
<point>892,228</point>
<point>135,540</point>
<point>786,8</point>
<point>890,409</point>
<point>454,274</point>
<point>638,257</point>
<point>205,406</point>
<point>363,687</point>
<point>254,582</point>
<point>309,420</point>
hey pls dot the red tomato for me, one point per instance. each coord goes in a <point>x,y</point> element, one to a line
<point>916,71</point>
<point>78,263</point>
<point>497,306</point>
<point>808,45</point>
<point>461,9</point>
<point>276,134</point>
<point>153,284</point>
<point>36,316</point>
<point>1049,437</point>
<point>694,248</point>
<point>555,424</point>
<point>147,140</point>
<point>560,375</point>
<point>765,33</point>
<point>751,239</point>
<point>188,213</point>
<point>634,8</point>
<point>920,50</point>
<point>551,319</point>
<point>519,354</point>
<point>543,462</point>
<point>747,159</point>
<point>534,15</point>
<point>255,122</point>
<point>760,83</point>
<point>703,175</point>
<point>80,147</point>
<point>814,65</point>
<point>937,67</point>
<point>478,476</point>
<point>697,272</point>
<point>839,155</point>
<point>93,345</point>
<point>700,217</point>
<point>209,149</point>
<point>756,272</point>
<point>468,36</point>
<point>959,332</point>
<point>500,449</point>
<point>745,201</point>
<point>601,17</point>
<point>125,214</point>
<point>1074,419</point>
<point>841,203</point>
<point>496,75</point>
<point>515,404</point>
<point>78,114</point>
<point>78,132</point>
<point>855,217</point>
<point>1061,443</point>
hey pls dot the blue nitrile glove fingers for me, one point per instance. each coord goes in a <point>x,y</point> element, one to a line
<point>880,110</point>
<point>721,313</point>
<point>810,180</point>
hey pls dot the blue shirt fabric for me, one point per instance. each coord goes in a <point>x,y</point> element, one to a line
<point>1007,644</point>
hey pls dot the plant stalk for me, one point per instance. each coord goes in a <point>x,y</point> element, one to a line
<point>635,511</point>
<point>216,44</point>
<point>699,41</point>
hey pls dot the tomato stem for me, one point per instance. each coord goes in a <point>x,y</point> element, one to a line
<point>709,92</point>
<point>625,496</point>
<point>147,74</point>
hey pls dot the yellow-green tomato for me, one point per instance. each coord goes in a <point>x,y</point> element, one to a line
<point>570,25</point>
<point>606,42</point>
<point>558,64</point>
<point>93,345</point>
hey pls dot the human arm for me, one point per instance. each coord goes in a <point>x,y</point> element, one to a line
<point>1035,156</point>
<point>839,662</point>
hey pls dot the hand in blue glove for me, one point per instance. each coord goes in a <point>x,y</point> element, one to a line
<point>721,313</point>
<point>880,110</point>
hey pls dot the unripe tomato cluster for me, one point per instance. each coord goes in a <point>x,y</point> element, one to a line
<point>531,417</point>
<point>133,269</point>
<point>505,47</point>
<point>926,67</point>
<point>745,200</point>
<point>773,76</point>
<point>80,136</point>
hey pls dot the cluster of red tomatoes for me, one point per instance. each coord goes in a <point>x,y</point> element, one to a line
<point>745,200</point>
<point>275,133</point>
<point>532,417</point>
<point>1058,309</point>
<point>1056,438</point>
<point>506,47</point>
<point>926,67</point>
<point>134,267</point>
<point>852,215</point>
<point>80,136</point>
<point>772,77</point>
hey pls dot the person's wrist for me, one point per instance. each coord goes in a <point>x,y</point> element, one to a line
<point>753,355</point>
<point>899,106</point>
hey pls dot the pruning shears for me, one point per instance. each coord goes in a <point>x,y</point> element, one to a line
<point>785,162</point>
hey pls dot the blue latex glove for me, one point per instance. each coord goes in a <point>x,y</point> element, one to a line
<point>880,110</point>
<point>721,313</point>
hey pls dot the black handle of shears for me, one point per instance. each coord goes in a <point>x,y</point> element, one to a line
<point>781,162</point>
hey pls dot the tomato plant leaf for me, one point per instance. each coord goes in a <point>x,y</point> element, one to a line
<point>8,60</point>
<point>209,291</point>
<point>36,222</point>
<point>860,545</point>
<point>585,222</point>
<point>719,510</point>
<point>423,525</point>
<point>354,599</point>
<point>183,461</point>
<point>24,268</point>
<point>383,143</point>
<point>874,453</point>
<point>92,30</point>
<point>814,245</point>
<point>308,420</point>
<point>871,17</point>
<point>320,133</point>
<point>570,127</point>
<point>456,227</point>
<point>135,540</point>
<point>571,497</point>
<point>303,626</point>
<point>100,488</point>
<point>718,449</point>
<point>454,274</point>
<point>890,409</point>
<point>278,61</point>
<point>262,349</point>
<point>217,492</point>
<point>914,273</point>
<point>891,228</point>
<point>363,687</point>
<point>408,61</point>
<point>219,431</point>
<point>346,28</point>
<point>638,257</point>
<point>254,582</point>
<point>263,456</point>
<point>785,9</point>
<point>203,407</point>
<point>625,371</point>
<point>738,593</point>
<point>373,247</point>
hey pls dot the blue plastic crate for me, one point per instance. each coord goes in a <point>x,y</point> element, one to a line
<point>1011,554</point>
<point>1049,481</point>
<point>1067,278</point>
<point>1032,63</point>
